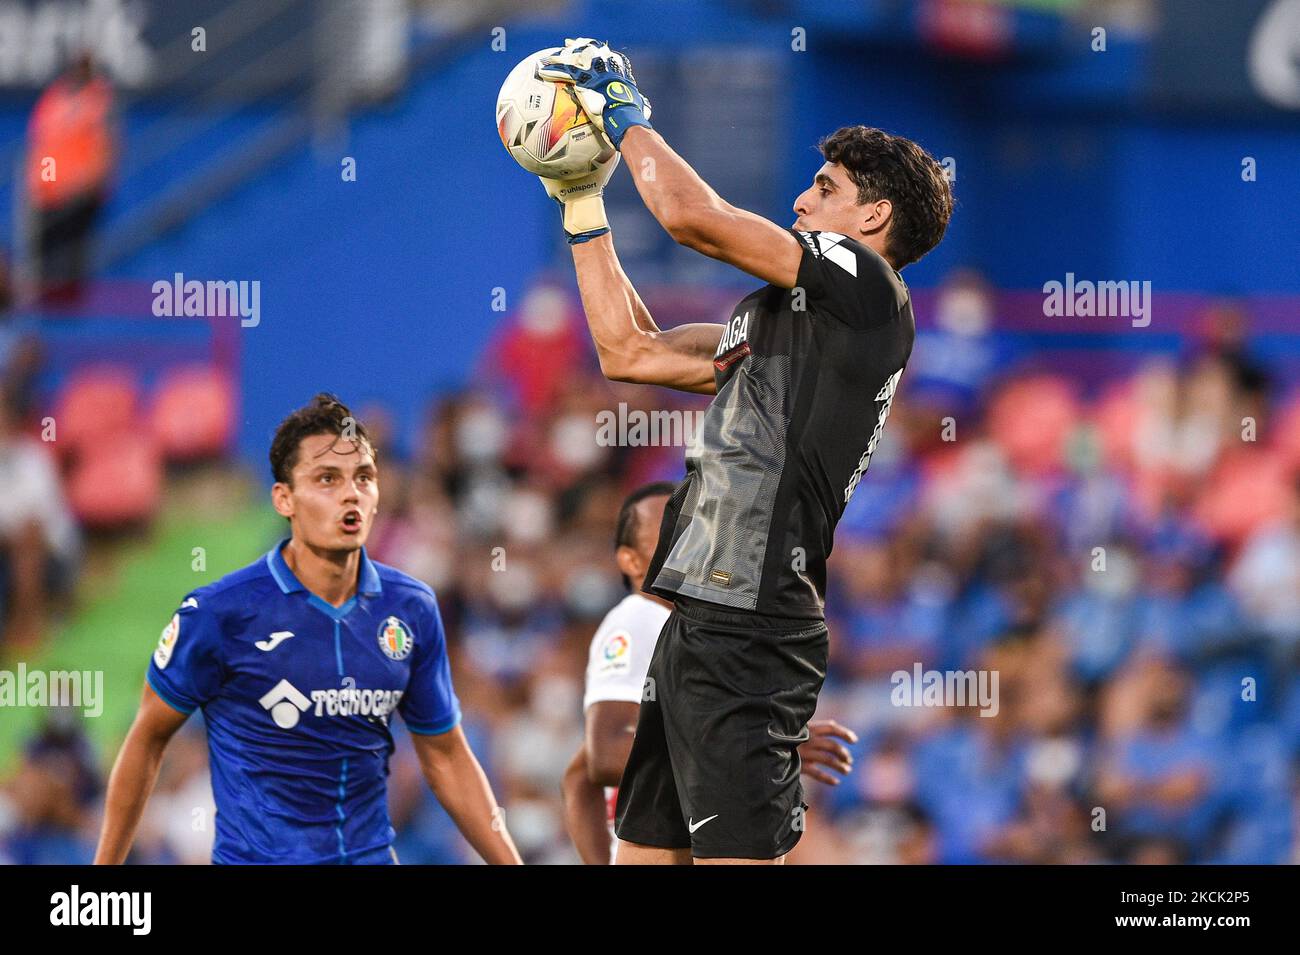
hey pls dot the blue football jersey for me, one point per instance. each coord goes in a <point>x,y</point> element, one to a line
<point>297,697</point>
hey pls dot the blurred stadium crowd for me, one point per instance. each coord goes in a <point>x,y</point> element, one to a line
<point>1125,554</point>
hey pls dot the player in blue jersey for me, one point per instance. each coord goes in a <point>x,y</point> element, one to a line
<point>298,662</point>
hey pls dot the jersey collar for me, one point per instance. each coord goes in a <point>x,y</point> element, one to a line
<point>367,575</point>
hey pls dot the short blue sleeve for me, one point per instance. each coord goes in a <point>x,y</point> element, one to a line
<point>186,666</point>
<point>429,706</point>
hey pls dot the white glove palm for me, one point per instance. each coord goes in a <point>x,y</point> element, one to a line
<point>581,199</point>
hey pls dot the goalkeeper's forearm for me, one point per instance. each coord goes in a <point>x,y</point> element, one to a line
<point>629,344</point>
<point>669,187</point>
<point>132,780</point>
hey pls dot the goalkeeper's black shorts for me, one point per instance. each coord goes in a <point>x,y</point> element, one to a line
<point>715,765</point>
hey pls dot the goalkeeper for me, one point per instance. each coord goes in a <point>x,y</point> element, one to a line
<point>805,369</point>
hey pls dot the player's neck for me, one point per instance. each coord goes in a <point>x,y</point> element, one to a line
<point>330,575</point>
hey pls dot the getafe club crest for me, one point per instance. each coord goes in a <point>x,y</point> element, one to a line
<point>395,639</point>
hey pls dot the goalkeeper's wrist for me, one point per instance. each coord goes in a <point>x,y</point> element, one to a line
<point>620,119</point>
<point>584,218</point>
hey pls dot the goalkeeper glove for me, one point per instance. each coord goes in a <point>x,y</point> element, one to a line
<point>603,83</point>
<point>580,198</point>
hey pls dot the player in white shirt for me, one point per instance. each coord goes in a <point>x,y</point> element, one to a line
<point>616,675</point>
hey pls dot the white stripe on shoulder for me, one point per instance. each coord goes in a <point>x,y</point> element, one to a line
<point>843,257</point>
<point>826,245</point>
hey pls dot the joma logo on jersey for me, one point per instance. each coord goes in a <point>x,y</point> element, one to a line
<point>733,333</point>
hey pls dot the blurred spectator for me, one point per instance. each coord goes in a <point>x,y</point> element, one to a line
<point>22,357</point>
<point>1266,576</point>
<point>1157,779</point>
<point>70,158</point>
<point>42,820</point>
<point>39,541</point>
<point>952,366</point>
<point>1224,339</point>
<point>538,350</point>
<point>62,745</point>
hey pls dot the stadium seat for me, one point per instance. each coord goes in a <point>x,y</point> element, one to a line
<point>1246,489</point>
<point>1031,419</point>
<point>193,413</point>
<point>1116,417</point>
<point>116,481</point>
<point>1287,431</point>
<point>96,401</point>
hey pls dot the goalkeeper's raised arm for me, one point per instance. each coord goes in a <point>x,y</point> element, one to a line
<point>630,346</point>
<point>685,205</point>
<point>698,218</point>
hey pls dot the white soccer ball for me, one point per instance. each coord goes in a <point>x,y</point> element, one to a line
<point>543,127</point>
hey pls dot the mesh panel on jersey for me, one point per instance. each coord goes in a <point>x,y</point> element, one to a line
<point>736,467</point>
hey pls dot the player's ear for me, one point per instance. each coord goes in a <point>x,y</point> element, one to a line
<point>281,499</point>
<point>876,217</point>
<point>629,562</point>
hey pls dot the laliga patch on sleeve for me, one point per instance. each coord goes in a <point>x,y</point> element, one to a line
<point>167,642</point>
<point>616,652</point>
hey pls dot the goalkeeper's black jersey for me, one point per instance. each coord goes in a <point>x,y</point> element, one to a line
<point>805,379</point>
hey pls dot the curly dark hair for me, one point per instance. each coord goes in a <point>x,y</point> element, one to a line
<point>884,166</point>
<point>324,414</point>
